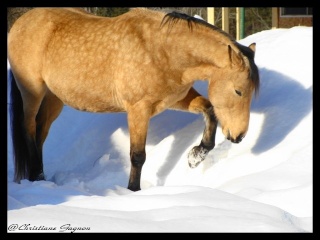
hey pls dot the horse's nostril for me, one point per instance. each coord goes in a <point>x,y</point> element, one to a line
<point>239,138</point>
<point>229,135</point>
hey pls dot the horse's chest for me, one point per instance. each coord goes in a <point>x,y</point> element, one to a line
<point>169,99</point>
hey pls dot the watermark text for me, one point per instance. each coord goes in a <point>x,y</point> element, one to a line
<point>41,228</point>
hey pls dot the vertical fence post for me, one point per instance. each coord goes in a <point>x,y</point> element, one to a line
<point>237,23</point>
<point>225,19</point>
<point>210,15</point>
<point>275,18</point>
<point>242,23</point>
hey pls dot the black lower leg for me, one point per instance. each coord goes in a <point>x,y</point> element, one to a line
<point>199,153</point>
<point>209,133</point>
<point>35,165</point>
<point>137,161</point>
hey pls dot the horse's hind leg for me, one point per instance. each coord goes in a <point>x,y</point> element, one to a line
<point>196,103</point>
<point>49,110</point>
<point>30,164</point>
<point>32,112</point>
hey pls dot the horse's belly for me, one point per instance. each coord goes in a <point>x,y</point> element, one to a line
<point>87,97</point>
<point>90,105</point>
<point>93,105</point>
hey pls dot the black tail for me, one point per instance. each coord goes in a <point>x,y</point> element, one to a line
<point>20,149</point>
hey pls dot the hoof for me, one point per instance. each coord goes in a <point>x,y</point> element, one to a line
<point>196,156</point>
<point>134,188</point>
<point>39,177</point>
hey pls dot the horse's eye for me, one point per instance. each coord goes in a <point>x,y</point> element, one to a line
<point>238,92</point>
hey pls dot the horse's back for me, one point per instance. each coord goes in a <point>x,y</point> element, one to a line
<point>29,37</point>
<point>35,27</point>
<point>46,34</point>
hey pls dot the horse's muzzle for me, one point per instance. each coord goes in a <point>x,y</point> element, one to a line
<point>237,139</point>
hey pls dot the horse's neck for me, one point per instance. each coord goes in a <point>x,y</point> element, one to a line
<point>197,54</point>
<point>193,48</point>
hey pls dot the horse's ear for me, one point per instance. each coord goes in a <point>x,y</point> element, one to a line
<point>235,58</point>
<point>252,46</point>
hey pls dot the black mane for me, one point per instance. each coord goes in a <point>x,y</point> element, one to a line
<point>174,17</point>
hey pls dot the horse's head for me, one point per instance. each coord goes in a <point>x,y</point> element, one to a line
<point>231,90</point>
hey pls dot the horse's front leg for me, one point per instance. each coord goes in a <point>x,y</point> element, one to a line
<point>138,122</point>
<point>198,153</point>
<point>196,103</point>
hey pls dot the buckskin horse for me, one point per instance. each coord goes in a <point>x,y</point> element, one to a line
<point>142,63</point>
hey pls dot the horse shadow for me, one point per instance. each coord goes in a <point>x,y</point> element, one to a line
<point>283,101</point>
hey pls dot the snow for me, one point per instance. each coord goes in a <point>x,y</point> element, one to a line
<point>263,184</point>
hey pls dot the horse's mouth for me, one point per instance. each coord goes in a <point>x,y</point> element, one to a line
<point>237,139</point>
